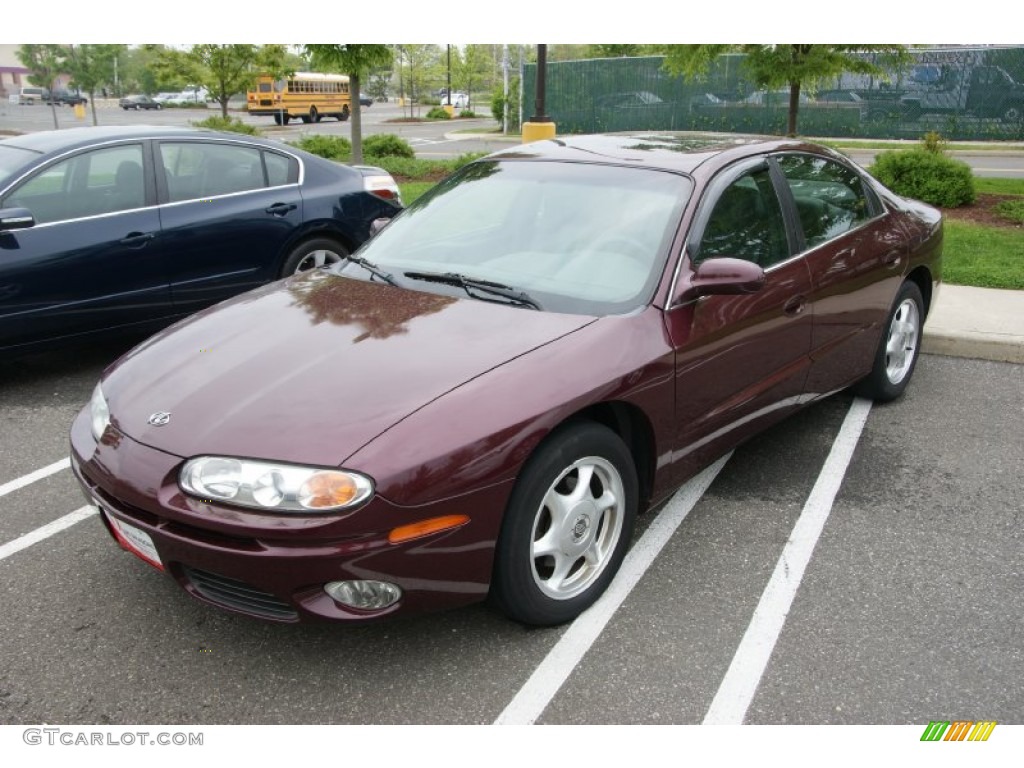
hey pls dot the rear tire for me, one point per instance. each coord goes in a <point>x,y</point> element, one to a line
<point>568,525</point>
<point>899,347</point>
<point>313,254</point>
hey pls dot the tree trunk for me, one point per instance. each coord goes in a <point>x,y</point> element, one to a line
<point>357,119</point>
<point>224,107</point>
<point>794,105</point>
<point>92,107</point>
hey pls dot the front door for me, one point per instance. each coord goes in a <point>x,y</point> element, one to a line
<point>741,360</point>
<point>93,260</point>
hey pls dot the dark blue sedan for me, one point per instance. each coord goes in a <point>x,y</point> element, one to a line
<point>132,227</point>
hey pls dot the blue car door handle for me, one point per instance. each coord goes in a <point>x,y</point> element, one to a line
<point>137,239</point>
<point>281,209</point>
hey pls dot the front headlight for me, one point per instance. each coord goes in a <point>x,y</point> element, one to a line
<point>269,486</point>
<point>99,414</point>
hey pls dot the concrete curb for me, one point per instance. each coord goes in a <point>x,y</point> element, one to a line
<point>977,346</point>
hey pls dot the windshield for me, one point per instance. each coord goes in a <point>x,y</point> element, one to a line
<point>577,238</point>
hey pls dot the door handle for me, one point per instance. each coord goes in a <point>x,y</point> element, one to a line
<point>892,258</point>
<point>281,209</point>
<point>136,239</point>
<point>795,306</point>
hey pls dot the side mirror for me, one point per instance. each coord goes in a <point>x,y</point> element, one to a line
<point>719,276</point>
<point>16,218</point>
<point>377,225</point>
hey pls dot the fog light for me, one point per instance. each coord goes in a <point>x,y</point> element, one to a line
<point>364,595</point>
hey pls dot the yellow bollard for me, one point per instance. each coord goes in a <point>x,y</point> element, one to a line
<point>538,132</point>
<point>80,111</point>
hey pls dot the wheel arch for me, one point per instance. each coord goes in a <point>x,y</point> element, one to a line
<point>300,238</point>
<point>634,429</point>
<point>922,277</point>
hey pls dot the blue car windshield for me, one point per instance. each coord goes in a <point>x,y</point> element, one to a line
<point>576,237</point>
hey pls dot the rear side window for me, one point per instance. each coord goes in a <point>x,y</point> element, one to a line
<point>830,198</point>
<point>198,170</point>
<point>281,169</point>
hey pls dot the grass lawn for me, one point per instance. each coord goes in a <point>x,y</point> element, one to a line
<point>986,257</point>
<point>413,189</point>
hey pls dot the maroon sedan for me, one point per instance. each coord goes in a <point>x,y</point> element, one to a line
<point>480,402</point>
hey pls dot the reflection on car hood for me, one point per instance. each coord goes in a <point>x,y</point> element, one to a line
<point>311,369</point>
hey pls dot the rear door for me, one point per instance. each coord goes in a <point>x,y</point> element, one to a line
<point>229,210</point>
<point>92,261</point>
<point>856,256</point>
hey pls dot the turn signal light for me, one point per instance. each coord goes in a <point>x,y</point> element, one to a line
<point>423,528</point>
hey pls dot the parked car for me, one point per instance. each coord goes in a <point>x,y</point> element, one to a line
<point>133,227</point>
<point>482,400</point>
<point>63,96</point>
<point>139,102</point>
<point>166,97</point>
<point>629,99</point>
<point>29,94</point>
<point>365,101</point>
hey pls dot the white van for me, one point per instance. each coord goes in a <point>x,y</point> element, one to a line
<point>29,94</point>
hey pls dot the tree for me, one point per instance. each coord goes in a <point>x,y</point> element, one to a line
<point>44,64</point>
<point>793,65</point>
<point>90,66</point>
<point>356,61</point>
<point>223,70</point>
<point>470,68</point>
<point>418,65</point>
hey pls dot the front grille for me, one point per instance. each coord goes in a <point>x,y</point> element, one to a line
<point>265,102</point>
<point>238,595</point>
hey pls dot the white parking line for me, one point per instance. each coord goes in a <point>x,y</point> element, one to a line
<point>740,683</point>
<point>561,660</point>
<point>48,530</point>
<point>31,477</point>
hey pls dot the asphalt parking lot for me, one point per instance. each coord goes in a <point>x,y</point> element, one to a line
<point>911,607</point>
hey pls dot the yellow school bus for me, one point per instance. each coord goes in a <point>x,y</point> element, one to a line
<point>308,96</point>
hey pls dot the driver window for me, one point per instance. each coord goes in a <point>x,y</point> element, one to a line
<point>746,223</point>
<point>88,184</point>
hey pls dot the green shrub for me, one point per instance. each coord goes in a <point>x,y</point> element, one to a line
<point>387,145</point>
<point>498,105</point>
<point>438,113</point>
<point>924,175</point>
<point>331,147</point>
<point>933,142</point>
<point>232,124</point>
<point>467,113</point>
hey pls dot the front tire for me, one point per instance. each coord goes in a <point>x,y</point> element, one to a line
<point>567,527</point>
<point>899,347</point>
<point>313,254</point>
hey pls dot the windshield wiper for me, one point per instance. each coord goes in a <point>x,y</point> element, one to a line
<point>471,284</point>
<point>372,268</point>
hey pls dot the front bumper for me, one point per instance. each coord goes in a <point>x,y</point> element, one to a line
<point>274,566</point>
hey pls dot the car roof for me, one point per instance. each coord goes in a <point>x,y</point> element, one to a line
<point>45,142</point>
<point>682,152</point>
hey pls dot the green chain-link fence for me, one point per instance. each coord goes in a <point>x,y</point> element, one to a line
<point>962,93</point>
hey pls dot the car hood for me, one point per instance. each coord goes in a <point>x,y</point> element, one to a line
<point>311,369</point>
